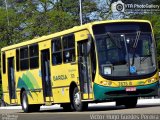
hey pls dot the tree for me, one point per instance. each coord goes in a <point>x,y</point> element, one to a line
<point>104,9</point>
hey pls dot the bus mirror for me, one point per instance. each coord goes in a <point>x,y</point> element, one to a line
<point>89,43</point>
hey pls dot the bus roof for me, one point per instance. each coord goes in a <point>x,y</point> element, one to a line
<point>74,29</point>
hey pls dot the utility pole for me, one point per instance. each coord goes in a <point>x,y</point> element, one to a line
<point>80,12</point>
<point>7,11</point>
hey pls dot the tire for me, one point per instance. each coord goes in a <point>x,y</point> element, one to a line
<point>67,107</point>
<point>3,104</point>
<point>131,102</point>
<point>77,104</point>
<point>25,105</point>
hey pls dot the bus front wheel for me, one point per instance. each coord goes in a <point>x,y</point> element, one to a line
<point>77,103</point>
<point>25,105</point>
<point>131,102</point>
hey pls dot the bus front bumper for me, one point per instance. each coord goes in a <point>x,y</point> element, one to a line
<point>111,93</point>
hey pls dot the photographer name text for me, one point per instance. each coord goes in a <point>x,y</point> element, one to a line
<point>125,116</point>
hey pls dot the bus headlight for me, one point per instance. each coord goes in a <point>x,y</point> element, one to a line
<point>106,83</point>
<point>152,80</point>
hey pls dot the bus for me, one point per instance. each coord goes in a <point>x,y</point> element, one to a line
<point>113,60</point>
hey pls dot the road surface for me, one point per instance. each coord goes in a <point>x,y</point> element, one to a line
<point>148,110</point>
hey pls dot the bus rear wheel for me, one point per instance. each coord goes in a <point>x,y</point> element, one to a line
<point>77,103</point>
<point>131,102</point>
<point>25,105</point>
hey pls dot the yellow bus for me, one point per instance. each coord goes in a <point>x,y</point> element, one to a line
<point>113,60</point>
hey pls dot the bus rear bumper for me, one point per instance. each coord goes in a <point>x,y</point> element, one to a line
<point>113,93</point>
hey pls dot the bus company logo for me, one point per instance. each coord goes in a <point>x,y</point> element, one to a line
<point>60,77</point>
<point>122,7</point>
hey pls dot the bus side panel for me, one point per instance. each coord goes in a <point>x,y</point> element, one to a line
<point>18,97</point>
<point>35,97</point>
<point>62,76</point>
<point>31,82</point>
<point>61,95</point>
<point>5,88</point>
<point>37,92</point>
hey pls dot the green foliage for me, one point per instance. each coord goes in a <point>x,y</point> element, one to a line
<point>28,19</point>
<point>32,18</point>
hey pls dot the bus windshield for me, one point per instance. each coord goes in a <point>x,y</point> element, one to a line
<point>126,53</point>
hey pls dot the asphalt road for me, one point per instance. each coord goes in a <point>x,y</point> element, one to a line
<point>141,112</point>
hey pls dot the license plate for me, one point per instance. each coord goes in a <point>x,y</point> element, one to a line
<point>128,89</point>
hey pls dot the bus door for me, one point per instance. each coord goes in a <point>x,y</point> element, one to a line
<point>84,66</point>
<point>11,80</point>
<point>46,78</point>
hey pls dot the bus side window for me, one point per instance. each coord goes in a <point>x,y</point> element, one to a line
<point>56,51</point>
<point>4,62</point>
<point>24,60</point>
<point>68,48</point>
<point>17,59</point>
<point>34,56</point>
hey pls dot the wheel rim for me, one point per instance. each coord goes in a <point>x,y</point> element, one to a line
<point>24,102</point>
<point>77,99</point>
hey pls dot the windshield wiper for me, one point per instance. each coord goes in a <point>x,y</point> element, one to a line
<point>135,45</point>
